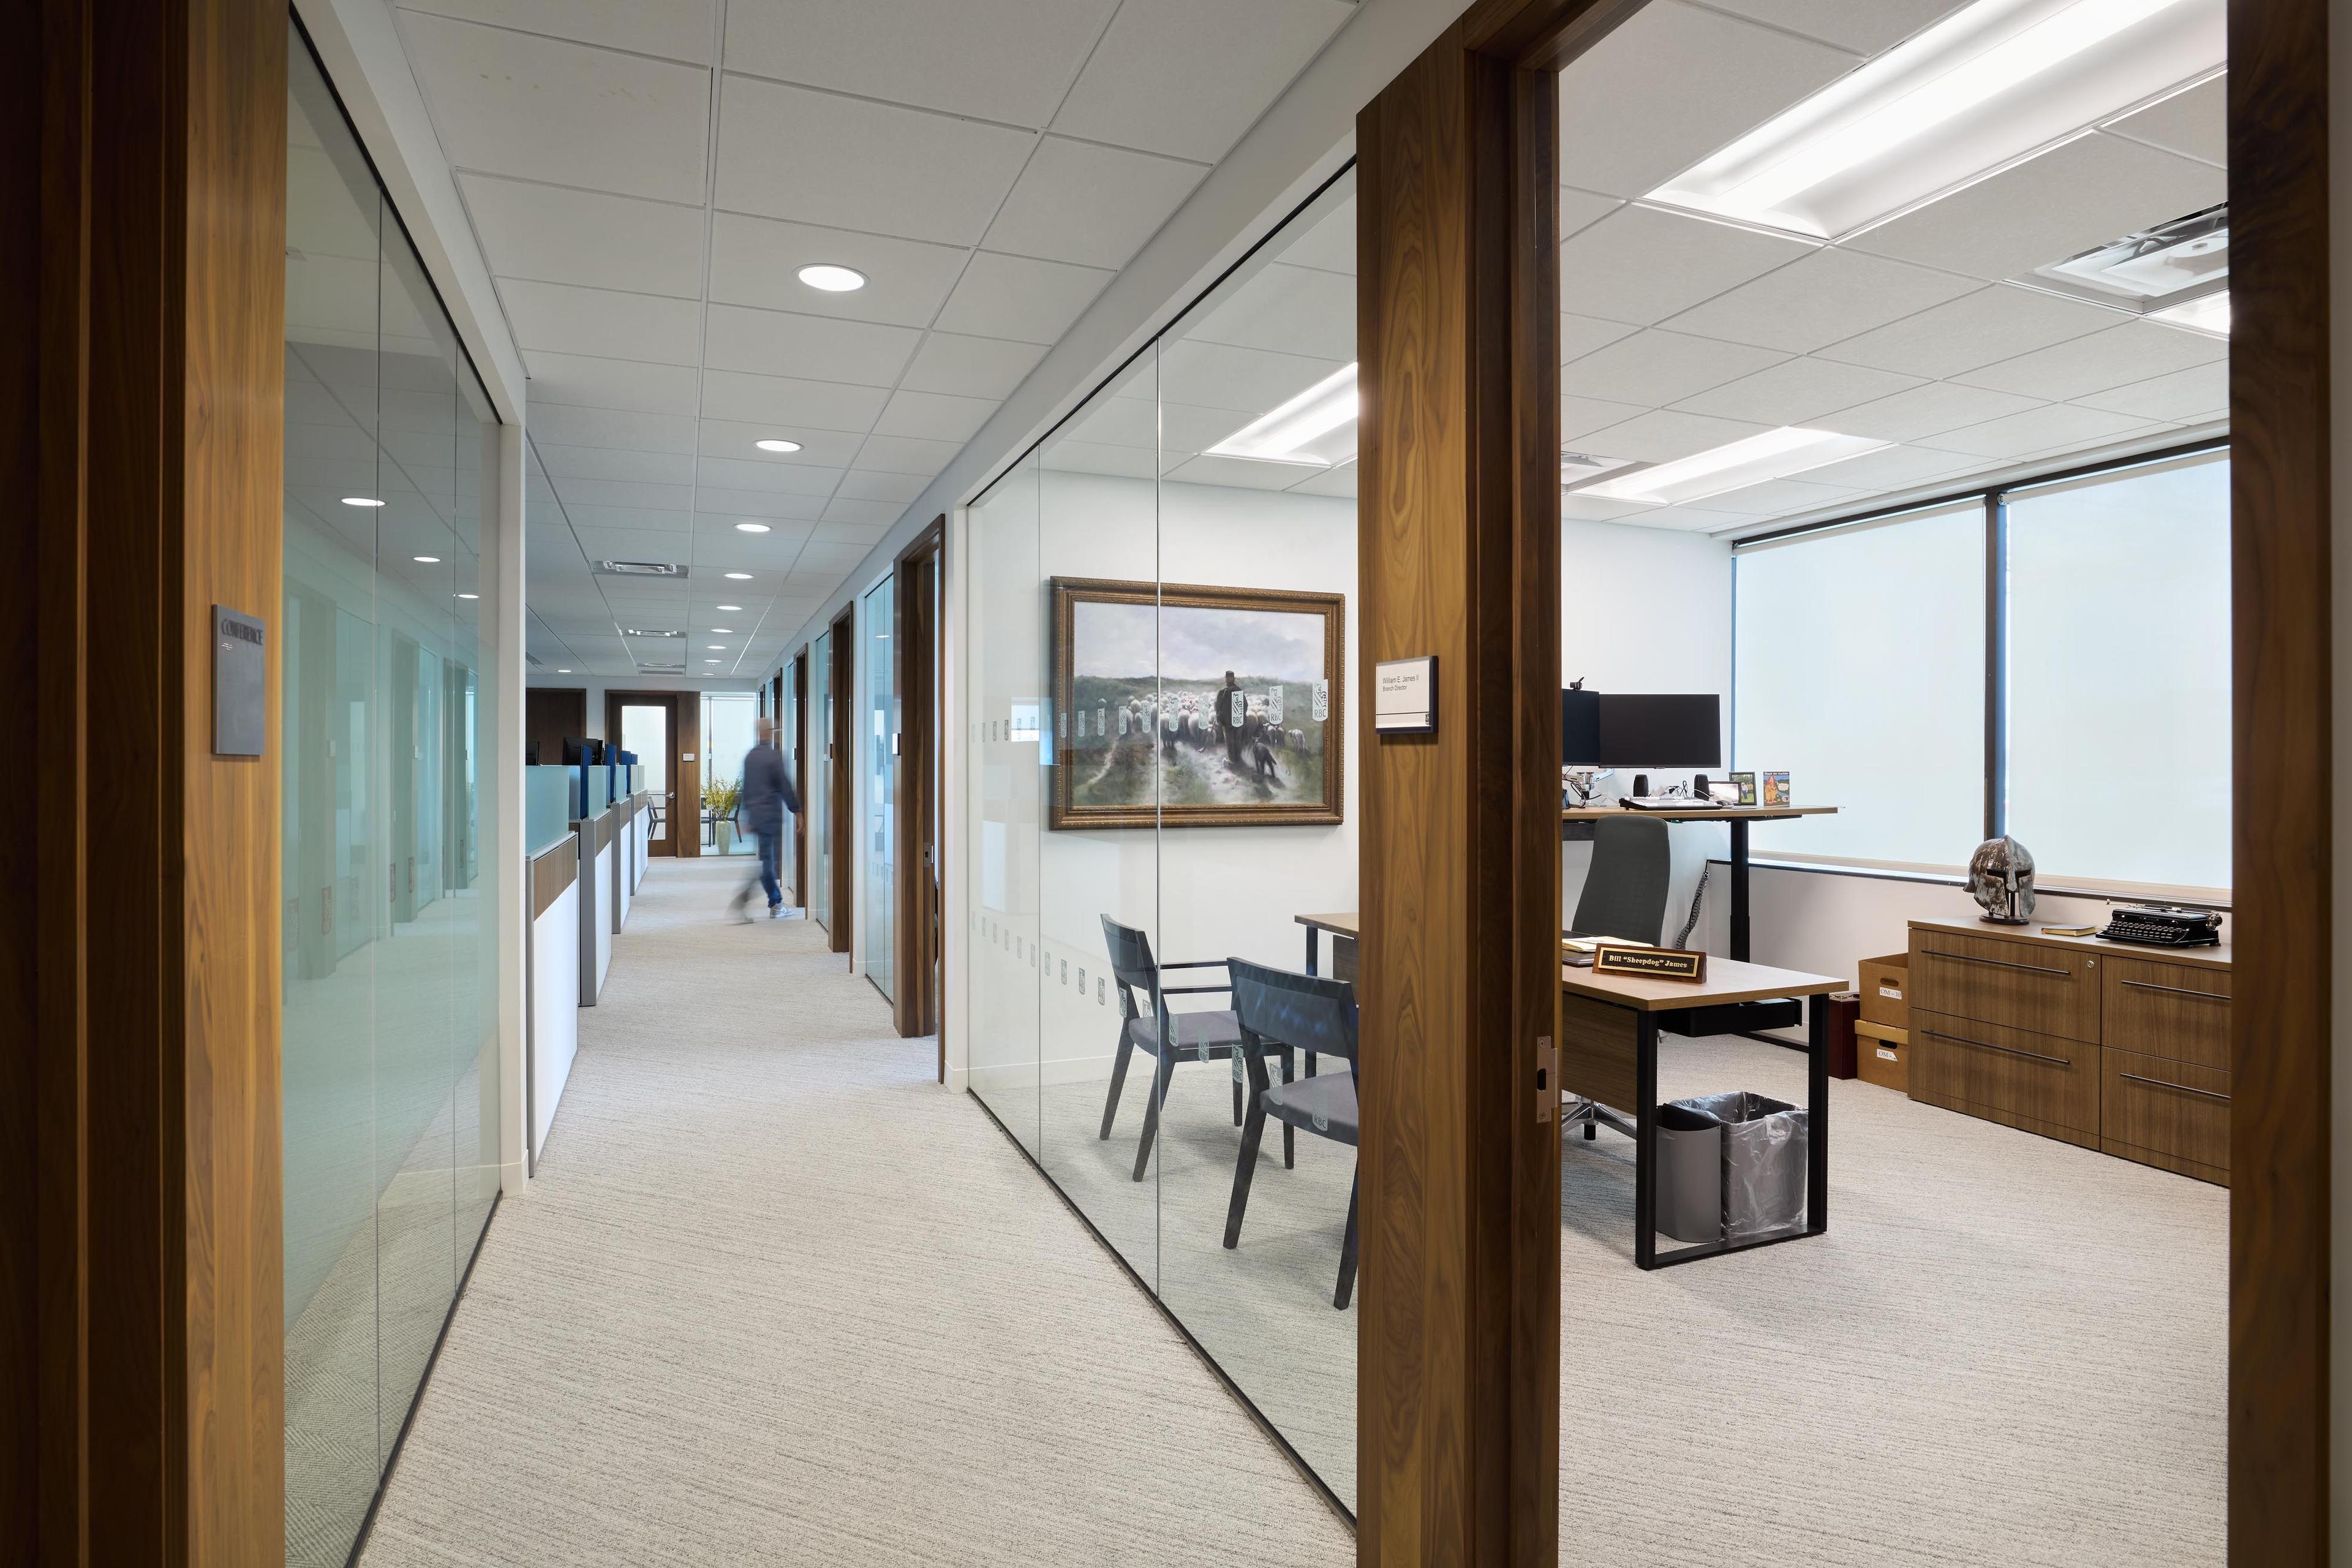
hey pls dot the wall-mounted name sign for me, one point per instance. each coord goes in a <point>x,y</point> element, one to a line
<point>240,684</point>
<point>1404,696</point>
<point>1651,962</point>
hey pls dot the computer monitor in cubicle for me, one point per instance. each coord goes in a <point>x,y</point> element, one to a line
<point>1641,730</point>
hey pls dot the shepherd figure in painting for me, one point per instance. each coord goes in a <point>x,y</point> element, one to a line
<point>1229,721</point>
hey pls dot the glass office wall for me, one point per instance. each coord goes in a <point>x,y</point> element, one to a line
<point>876,810</point>
<point>1161,725</point>
<point>728,720</point>
<point>817,789</point>
<point>390,1078</point>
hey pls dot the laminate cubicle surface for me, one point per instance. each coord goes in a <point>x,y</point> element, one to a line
<point>552,991</point>
<point>2120,1048</point>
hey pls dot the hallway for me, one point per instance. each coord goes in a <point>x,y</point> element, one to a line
<point>774,1297</point>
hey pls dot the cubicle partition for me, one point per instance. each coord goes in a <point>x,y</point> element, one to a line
<point>624,862</point>
<point>599,845</point>
<point>551,956</point>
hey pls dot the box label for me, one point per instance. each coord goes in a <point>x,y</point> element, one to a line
<point>1893,993</point>
<point>1886,1054</point>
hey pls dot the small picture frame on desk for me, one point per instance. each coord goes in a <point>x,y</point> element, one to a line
<point>1776,789</point>
<point>1745,785</point>
<point>1723,792</point>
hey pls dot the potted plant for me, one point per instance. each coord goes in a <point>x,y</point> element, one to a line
<point>720,797</point>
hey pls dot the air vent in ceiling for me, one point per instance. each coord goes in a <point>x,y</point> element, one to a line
<point>644,632</point>
<point>640,569</point>
<point>661,670</point>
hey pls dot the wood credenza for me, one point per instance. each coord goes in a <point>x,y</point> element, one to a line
<point>2124,1049</point>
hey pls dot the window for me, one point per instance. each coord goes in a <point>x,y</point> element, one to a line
<point>2119,676</point>
<point>1859,669</point>
<point>2100,614</point>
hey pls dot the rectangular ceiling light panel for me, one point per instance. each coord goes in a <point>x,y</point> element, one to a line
<point>1993,83</point>
<point>1774,455</point>
<point>1317,428</point>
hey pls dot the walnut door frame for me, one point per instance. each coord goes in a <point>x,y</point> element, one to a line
<point>680,704</point>
<point>842,790</point>
<point>916,580</point>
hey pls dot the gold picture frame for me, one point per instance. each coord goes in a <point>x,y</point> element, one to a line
<point>1149,746</point>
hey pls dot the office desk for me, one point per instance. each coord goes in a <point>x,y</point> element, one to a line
<point>1739,817</point>
<point>1609,1053</point>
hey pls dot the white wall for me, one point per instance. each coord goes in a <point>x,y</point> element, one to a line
<point>1646,609</point>
<point>1200,892</point>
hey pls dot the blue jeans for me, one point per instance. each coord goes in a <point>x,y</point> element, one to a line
<point>772,842</point>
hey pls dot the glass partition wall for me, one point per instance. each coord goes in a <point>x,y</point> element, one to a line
<point>1163,729</point>
<point>389,1035</point>
<point>816,789</point>
<point>877,811</point>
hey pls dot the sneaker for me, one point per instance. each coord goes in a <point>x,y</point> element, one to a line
<point>776,912</point>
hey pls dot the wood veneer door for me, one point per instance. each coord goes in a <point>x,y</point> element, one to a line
<point>797,722</point>
<point>673,822</point>
<point>915,651</point>
<point>550,715</point>
<point>842,795</point>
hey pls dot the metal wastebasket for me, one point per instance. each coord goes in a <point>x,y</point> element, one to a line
<point>1690,1173</point>
<point>1761,1165</point>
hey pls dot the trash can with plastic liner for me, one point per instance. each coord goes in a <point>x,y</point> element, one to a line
<point>1762,1165</point>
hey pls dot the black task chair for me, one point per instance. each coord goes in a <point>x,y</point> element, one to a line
<point>1624,894</point>
<point>1283,1011</point>
<point>1160,1031</point>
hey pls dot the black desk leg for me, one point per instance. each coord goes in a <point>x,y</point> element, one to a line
<point>1314,951</point>
<point>1817,1103</point>
<point>1739,825</point>
<point>1645,1141</point>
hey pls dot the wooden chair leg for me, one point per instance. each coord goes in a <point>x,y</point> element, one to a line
<point>1289,1132</point>
<point>1348,1253</point>
<point>1159,1077</point>
<point>1248,1164</point>
<point>1118,1081</point>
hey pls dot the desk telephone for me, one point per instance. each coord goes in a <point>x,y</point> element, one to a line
<point>2163,925</point>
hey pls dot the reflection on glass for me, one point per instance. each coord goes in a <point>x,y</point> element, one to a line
<point>391,1125</point>
<point>1004,806</point>
<point>1103,1029</point>
<point>881,788</point>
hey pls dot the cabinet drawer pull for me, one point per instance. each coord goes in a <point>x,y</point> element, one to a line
<point>1998,962</point>
<point>1988,1046</point>
<point>2176,990</point>
<point>2181,1088</point>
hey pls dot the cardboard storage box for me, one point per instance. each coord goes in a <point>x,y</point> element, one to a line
<point>1885,984</point>
<point>1883,1055</point>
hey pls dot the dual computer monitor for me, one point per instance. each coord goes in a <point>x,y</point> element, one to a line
<point>1629,729</point>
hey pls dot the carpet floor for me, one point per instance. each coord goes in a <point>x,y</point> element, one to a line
<point>775,1298</point>
<point>2006,1351</point>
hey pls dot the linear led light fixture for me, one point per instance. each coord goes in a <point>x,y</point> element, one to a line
<point>1774,455</point>
<point>1993,83</point>
<point>1317,428</point>
<point>2207,313</point>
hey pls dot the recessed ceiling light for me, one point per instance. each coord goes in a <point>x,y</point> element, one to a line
<point>469,596</point>
<point>426,559</point>
<point>832,280</point>
<point>716,647</point>
<point>361,500</point>
<point>710,661</point>
<point>1776,454</point>
<point>777,444</point>
<point>562,672</point>
<point>741,576</point>
<point>721,631</point>
<point>730,606</point>
<point>1316,428</point>
<point>750,528</point>
<point>1994,82</point>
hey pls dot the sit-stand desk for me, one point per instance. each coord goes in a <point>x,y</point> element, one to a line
<point>1736,816</point>
<point>1609,1026</point>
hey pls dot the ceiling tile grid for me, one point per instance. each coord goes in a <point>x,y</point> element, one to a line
<point>646,180</point>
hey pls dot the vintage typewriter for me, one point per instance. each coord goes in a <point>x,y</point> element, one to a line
<point>2163,925</point>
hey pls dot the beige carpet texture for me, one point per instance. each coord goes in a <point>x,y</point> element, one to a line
<point>776,1298</point>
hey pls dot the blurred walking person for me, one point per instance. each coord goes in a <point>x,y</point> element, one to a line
<point>768,794</point>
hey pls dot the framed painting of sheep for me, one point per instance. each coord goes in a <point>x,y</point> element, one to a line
<point>1196,707</point>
